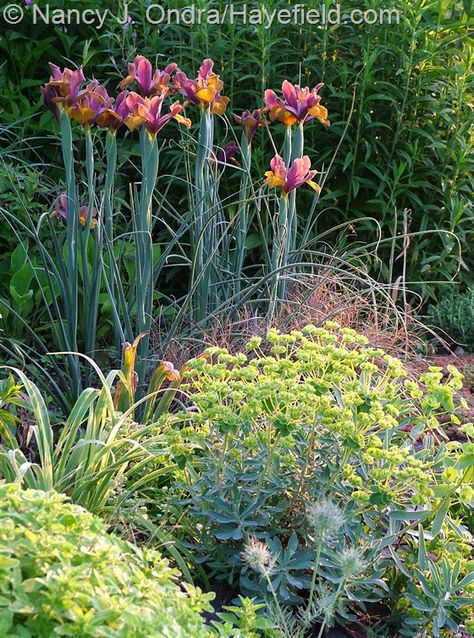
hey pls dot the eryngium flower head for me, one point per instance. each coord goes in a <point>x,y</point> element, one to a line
<point>258,556</point>
<point>325,518</point>
<point>351,562</point>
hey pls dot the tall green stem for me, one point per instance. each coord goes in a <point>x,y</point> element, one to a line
<point>243,210</point>
<point>144,247</point>
<point>279,253</point>
<point>72,248</point>
<point>92,274</point>
<point>111,158</point>
<point>202,230</point>
<point>296,152</point>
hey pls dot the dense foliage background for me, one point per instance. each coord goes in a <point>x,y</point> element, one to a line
<point>404,92</point>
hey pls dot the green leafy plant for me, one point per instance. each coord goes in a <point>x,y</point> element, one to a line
<point>312,417</point>
<point>61,573</point>
<point>454,315</point>
<point>436,591</point>
<point>90,453</point>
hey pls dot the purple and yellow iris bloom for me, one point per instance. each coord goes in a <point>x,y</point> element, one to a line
<point>132,108</point>
<point>250,121</point>
<point>298,105</point>
<point>140,72</point>
<point>205,90</point>
<point>63,87</point>
<point>90,104</point>
<point>289,179</point>
<point>154,121</point>
<point>226,155</point>
<point>61,210</point>
<point>136,110</point>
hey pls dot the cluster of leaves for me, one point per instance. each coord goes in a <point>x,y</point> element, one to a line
<point>454,315</point>
<point>316,415</point>
<point>62,574</point>
<point>21,189</point>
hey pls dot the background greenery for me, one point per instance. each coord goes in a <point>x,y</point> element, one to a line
<point>404,91</point>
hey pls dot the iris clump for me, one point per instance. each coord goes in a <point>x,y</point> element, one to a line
<point>148,101</point>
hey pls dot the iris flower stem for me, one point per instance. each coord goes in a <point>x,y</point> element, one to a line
<point>111,158</point>
<point>92,278</point>
<point>202,230</point>
<point>144,248</point>
<point>72,249</point>
<point>297,147</point>
<point>278,253</point>
<point>287,146</point>
<point>243,210</point>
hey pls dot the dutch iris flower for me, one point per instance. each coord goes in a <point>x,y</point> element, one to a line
<point>250,121</point>
<point>132,108</point>
<point>61,207</point>
<point>289,179</point>
<point>154,121</point>
<point>298,105</point>
<point>90,104</point>
<point>226,154</point>
<point>140,71</point>
<point>63,87</point>
<point>109,116</point>
<point>205,90</point>
<point>136,110</point>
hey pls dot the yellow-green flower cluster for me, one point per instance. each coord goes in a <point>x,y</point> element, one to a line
<point>327,382</point>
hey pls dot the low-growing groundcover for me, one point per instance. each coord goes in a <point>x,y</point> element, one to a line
<point>62,574</point>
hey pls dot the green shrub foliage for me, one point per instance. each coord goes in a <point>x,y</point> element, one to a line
<point>62,574</point>
<point>454,315</point>
<point>325,450</point>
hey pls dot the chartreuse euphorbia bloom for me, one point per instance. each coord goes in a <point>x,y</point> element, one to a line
<point>205,90</point>
<point>298,105</point>
<point>289,179</point>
